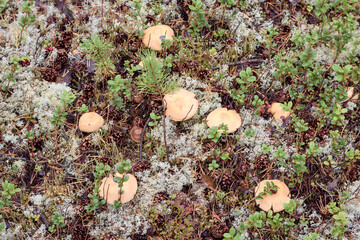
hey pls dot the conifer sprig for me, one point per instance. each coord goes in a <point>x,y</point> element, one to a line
<point>153,79</point>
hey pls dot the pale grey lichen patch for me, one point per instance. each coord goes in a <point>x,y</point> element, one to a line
<point>10,233</point>
<point>352,208</point>
<point>38,200</point>
<point>241,26</point>
<point>35,100</point>
<point>39,233</point>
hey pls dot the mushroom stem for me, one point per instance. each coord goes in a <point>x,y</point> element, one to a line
<point>141,141</point>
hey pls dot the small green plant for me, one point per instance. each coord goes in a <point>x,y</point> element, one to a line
<point>100,51</point>
<point>266,148</point>
<point>281,155</point>
<point>83,109</point>
<point>3,5</point>
<point>257,102</point>
<point>95,201</point>
<point>200,20</point>
<point>270,189</point>
<point>119,86</point>
<point>256,219</point>
<point>312,236</point>
<point>58,221</point>
<point>313,149</point>
<point>9,190</point>
<point>155,119</point>
<point>66,98</point>
<point>299,165</point>
<point>213,165</point>
<point>287,106</point>
<point>28,18</point>
<point>245,81</point>
<point>36,217</point>
<point>235,233</point>
<point>300,125</point>
<point>337,115</point>
<point>249,133</point>
<point>275,221</point>
<point>214,135</point>
<point>340,220</point>
<point>121,168</point>
<point>290,207</point>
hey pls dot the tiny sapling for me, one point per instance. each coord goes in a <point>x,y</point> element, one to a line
<point>121,168</point>
<point>28,18</point>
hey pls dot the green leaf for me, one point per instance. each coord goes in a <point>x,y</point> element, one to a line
<point>192,8</point>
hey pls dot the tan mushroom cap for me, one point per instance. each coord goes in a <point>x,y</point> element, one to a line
<point>135,133</point>
<point>277,111</point>
<point>222,115</point>
<point>90,122</point>
<point>153,35</point>
<point>274,201</point>
<point>180,105</point>
<point>109,189</point>
<point>351,96</point>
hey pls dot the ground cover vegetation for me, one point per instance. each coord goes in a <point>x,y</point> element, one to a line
<point>61,59</point>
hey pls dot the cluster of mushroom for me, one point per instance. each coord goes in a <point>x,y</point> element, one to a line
<point>182,105</point>
<point>109,189</point>
<point>152,38</point>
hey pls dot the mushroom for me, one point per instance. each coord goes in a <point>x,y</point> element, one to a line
<point>153,36</point>
<point>90,122</point>
<point>180,105</point>
<point>135,133</point>
<point>274,201</point>
<point>277,111</point>
<point>109,189</point>
<point>350,95</point>
<point>224,116</point>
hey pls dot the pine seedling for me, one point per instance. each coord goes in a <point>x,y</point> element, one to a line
<point>153,79</point>
<point>100,51</point>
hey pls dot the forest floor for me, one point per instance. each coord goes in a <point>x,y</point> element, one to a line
<point>60,59</point>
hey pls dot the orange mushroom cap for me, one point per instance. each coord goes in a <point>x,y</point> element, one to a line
<point>90,122</point>
<point>224,116</point>
<point>274,201</point>
<point>153,36</point>
<point>180,105</point>
<point>277,111</point>
<point>109,189</point>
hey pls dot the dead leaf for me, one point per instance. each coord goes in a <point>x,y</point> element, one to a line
<point>208,181</point>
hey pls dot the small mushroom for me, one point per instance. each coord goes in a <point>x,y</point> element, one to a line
<point>224,116</point>
<point>277,111</point>
<point>135,133</point>
<point>109,189</point>
<point>180,105</point>
<point>274,201</point>
<point>90,122</point>
<point>153,36</point>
